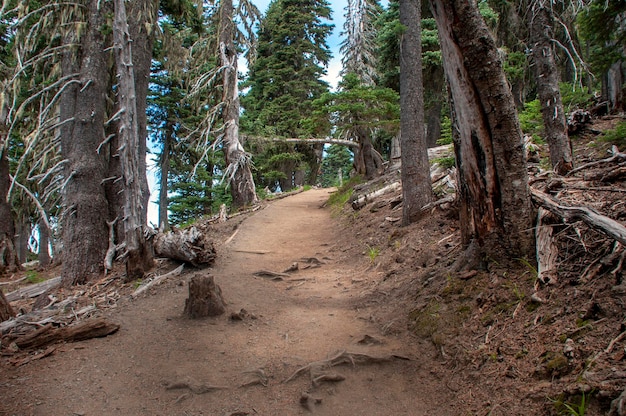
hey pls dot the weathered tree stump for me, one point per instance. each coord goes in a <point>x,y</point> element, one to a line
<point>188,245</point>
<point>6,311</point>
<point>205,298</point>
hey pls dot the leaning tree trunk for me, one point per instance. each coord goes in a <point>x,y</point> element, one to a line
<point>547,78</point>
<point>238,161</point>
<point>130,148</point>
<point>495,209</point>
<point>415,170</point>
<point>85,233</point>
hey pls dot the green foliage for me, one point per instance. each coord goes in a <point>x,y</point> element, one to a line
<point>530,118</point>
<point>336,158</point>
<point>515,65</point>
<point>355,110</point>
<point>572,408</point>
<point>446,131</point>
<point>33,277</point>
<point>574,96</point>
<point>601,27</point>
<point>616,136</point>
<point>340,198</point>
<point>489,15</point>
<point>445,162</point>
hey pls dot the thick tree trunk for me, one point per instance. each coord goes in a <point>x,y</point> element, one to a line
<point>415,173</point>
<point>494,196</point>
<point>205,298</point>
<point>547,78</point>
<point>613,83</point>
<point>82,115</point>
<point>131,156</point>
<point>367,161</point>
<point>22,235</point>
<point>238,161</point>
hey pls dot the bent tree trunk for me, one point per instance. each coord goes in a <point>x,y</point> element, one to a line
<point>415,171</point>
<point>493,187</point>
<point>238,161</point>
<point>85,232</point>
<point>547,78</point>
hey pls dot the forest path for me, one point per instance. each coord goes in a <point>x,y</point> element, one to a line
<point>306,317</point>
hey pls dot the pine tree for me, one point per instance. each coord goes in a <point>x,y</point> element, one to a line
<point>286,77</point>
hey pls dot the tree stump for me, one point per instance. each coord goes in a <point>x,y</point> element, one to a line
<point>6,311</point>
<point>205,298</point>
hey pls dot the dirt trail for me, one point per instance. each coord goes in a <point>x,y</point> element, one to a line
<point>304,318</point>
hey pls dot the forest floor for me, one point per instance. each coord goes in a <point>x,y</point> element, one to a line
<point>372,322</point>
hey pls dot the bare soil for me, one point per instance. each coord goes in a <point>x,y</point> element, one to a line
<point>373,322</point>
<point>160,363</point>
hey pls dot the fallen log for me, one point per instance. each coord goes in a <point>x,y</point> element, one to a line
<point>34,290</point>
<point>547,250</point>
<point>602,223</point>
<point>48,334</point>
<point>188,245</point>
<point>362,200</point>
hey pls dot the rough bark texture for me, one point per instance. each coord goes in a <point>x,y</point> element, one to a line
<point>547,78</point>
<point>415,173</point>
<point>205,298</point>
<point>82,113</point>
<point>495,207</point>
<point>367,162</point>
<point>164,163</point>
<point>237,160</point>
<point>188,245</point>
<point>6,311</point>
<point>93,328</point>
<point>130,147</point>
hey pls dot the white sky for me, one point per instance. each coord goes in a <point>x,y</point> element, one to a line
<point>332,77</point>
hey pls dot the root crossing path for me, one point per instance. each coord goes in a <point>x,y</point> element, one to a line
<point>292,342</point>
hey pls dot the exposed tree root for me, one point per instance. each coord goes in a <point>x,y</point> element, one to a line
<point>196,388</point>
<point>319,370</point>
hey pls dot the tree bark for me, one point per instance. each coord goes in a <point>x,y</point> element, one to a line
<point>415,172</point>
<point>205,298</point>
<point>188,245</point>
<point>82,115</point>
<point>495,207</point>
<point>43,254</point>
<point>547,79</point>
<point>164,168</point>
<point>238,161</point>
<point>131,155</point>
<point>6,311</point>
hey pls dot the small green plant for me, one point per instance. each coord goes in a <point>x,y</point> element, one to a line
<point>534,274</point>
<point>567,408</point>
<point>33,277</point>
<point>373,253</point>
<point>617,136</point>
<point>445,162</point>
<point>530,118</point>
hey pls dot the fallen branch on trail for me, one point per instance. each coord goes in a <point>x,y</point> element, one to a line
<point>272,275</point>
<point>318,370</point>
<point>188,245</point>
<point>177,271</point>
<point>48,334</point>
<point>547,250</point>
<point>196,388</point>
<point>604,224</point>
<point>617,156</point>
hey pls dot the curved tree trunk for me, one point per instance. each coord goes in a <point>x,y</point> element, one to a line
<point>85,232</point>
<point>238,161</point>
<point>415,173</point>
<point>495,211</point>
<point>547,78</point>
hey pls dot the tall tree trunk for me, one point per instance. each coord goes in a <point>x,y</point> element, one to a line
<point>238,161</point>
<point>9,260</point>
<point>494,196</point>
<point>43,254</point>
<point>85,233</point>
<point>415,172</point>
<point>164,167</point>
<point>131,156</point>
<point>547,78</point>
